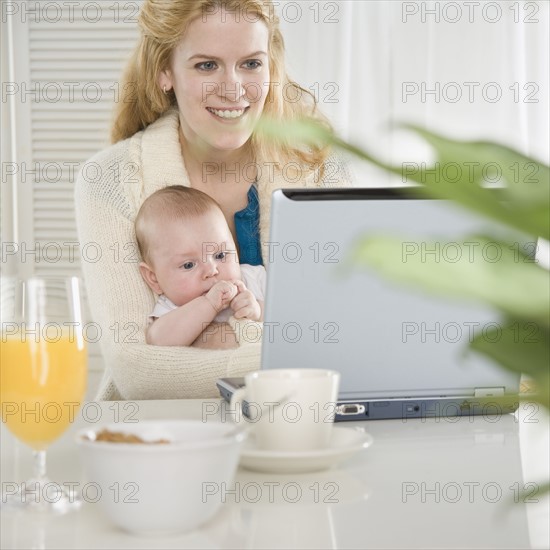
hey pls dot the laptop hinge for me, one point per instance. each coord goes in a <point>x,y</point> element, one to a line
<point>488,392</point>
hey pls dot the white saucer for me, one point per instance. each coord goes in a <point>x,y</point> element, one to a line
<point>344,442</point>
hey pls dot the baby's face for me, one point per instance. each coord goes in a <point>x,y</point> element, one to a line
<point>189,257</point>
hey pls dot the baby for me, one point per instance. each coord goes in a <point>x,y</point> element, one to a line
<point>190,262</point>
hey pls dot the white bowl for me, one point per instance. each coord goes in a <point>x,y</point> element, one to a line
<point>162,488</point>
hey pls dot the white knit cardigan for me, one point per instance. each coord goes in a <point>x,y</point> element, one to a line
<point>109,192</point>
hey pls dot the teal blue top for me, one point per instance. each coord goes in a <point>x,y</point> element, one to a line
<point>247,227</point>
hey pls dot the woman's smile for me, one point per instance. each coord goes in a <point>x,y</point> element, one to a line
<point>227,114</point>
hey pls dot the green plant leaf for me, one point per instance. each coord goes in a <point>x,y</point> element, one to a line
<point>464,167</point>
<point>298,133</point>
<point>460,173</point>
<point>512,284</point>
<point>486,158</point>
<point>522,207</point>
<point>521,346</point>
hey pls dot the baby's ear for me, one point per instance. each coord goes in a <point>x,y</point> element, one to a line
<point>150,278</point>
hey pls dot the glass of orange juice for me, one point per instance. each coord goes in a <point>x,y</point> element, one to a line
<point>43,360</point>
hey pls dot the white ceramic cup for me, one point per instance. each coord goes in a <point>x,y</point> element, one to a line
<point>289,409</point>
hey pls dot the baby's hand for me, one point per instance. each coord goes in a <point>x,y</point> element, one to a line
<point>221,294</point>
<point>245,304</point>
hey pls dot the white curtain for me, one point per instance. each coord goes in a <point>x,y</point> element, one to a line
<point>486,64</point>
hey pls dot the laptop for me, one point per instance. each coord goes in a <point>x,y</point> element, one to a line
<point>401,352</point>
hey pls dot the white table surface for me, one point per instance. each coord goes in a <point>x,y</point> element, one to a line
<point>433,483</point>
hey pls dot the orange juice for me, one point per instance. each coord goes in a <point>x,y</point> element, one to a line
<point>41,386</point>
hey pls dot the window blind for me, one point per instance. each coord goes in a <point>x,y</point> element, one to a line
<point>74,65</point>
<point>69,56</point>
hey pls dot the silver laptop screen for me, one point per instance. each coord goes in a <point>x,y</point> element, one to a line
<point>387,340</point>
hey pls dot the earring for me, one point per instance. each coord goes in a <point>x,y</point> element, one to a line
<point>164,88</point>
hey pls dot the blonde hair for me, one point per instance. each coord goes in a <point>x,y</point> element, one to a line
<point>162,24</point>
<point>174,202</point>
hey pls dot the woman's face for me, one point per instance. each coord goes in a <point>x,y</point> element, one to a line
<point>220,75</point>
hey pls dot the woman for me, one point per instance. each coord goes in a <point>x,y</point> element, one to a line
<point>203,73</point>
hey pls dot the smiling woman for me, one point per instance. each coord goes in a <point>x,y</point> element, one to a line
<point>228,86</point>
<point>203,73</point>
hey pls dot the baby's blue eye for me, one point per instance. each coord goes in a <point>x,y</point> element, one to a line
<point>188,265</point>
<point>220,256</point>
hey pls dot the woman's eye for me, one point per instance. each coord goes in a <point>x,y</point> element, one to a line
<point>220,256</point>
<point>188,265</point>
<point>253,64</point>
<point>206,66</point>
